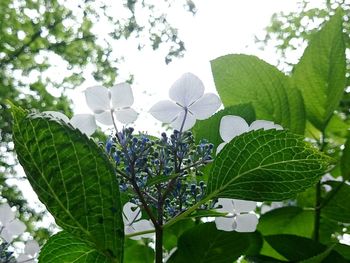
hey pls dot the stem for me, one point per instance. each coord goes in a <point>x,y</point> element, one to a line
<point>317,212</point>
<point>159,244</point>
<point>159,227</point>
<point>317,218</point>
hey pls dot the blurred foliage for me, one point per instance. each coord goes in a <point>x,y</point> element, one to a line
<point>290,32</point>
<point>45,46</point>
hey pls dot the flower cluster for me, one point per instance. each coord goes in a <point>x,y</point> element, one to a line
<point>169,165</point>
<point>162,176</point>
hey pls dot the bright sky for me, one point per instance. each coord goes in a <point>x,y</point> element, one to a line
<point>220,27</point>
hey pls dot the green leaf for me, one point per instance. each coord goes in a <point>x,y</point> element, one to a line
<point>296,248</point>
<point>343,250</point>
<point>287,220</point>
<point>73,178</point>
<point>138,253</point>
<point>320,257</point>
<point>172,233</point>
<point>247,79</point>
<point>204,243</point>
<point>338,208</point>
<point>265,166</point>
<point>65,248</point>
<point>320,74</point>
<point>345,161</point>
<point>209,128</point>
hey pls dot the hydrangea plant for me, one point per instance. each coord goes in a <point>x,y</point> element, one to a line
<point>190,193</point>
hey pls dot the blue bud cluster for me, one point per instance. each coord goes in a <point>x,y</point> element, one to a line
<point>163,170</point>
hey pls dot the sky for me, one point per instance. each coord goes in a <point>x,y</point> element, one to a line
<point>219,28</point>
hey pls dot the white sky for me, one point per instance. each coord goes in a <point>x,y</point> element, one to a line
<point>220,27</point>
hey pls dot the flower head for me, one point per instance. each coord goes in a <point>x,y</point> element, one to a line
<point>189,103</point>
<point>232,126</point>
<point>9,225</point>
<point>132,222</point>
<point>238,218</point>
<point>109,103</point>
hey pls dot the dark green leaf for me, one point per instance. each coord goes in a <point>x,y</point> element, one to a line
<point>137,253</point>
<point>204,243</point>
<point>65,248</point>
<point>320,74</point>
<point>287,220</point>
<point>265,166</point>
<point>209,129</point>
<point>338,208</point>
<point>345,161</point>
<point>172,233</point>
<point>247,79</point>
<point>343,250</point>
<point>296,248</point>
<point>73,178</point>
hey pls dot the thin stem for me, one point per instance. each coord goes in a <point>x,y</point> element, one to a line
<point>159,227</point>
<point>114,124</point>
<point>317,218</point>
<point>184,120</point>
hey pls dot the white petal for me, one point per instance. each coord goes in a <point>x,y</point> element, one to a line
<point>226,204</point>
<point>220,147</point>
<point>131,213</point>
<point>121,95</point>
<point>205,106</point>
<point>165,111</point>
<point>189,122</point>
<point>187,89</point>
<point>98,98</point>
<point>85,123</point>
<point>143,225</point>
<point>6,214</point>
<point>6,235</point>
<point>32,248</point>
<point>105,118</point>
<point>243,205</point>
<point>246,222</point>
<point>24,258</point>
<point>261,124</point>
<point>15,227</point>
<point>225,223</point>
<point>232,126</point>
<point>57,115</point>
<point>278,127</point>
<point>126,115</point>
<point>129,230</point>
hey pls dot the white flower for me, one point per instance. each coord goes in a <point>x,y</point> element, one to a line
<point>132,222</point>
<point>238,218</point>
<point>109,103</point>
<point>31,252</point>
<point>232,126</point>
<point>189,103</point>
<point>9,225</point>
<point>84,122</point>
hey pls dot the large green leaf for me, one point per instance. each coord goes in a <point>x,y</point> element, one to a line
<point>298,249</point>
<point>287,220</point>
<point>345,161</point>
<point>247,79</point>
<point>265,166</point>
<point>320,74</point>
<point>210,128</point>
<point>205,244</point>
<point>73,178</point>
<point>136,252</point>
<point>65,248</point>
<point>338,208</point>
